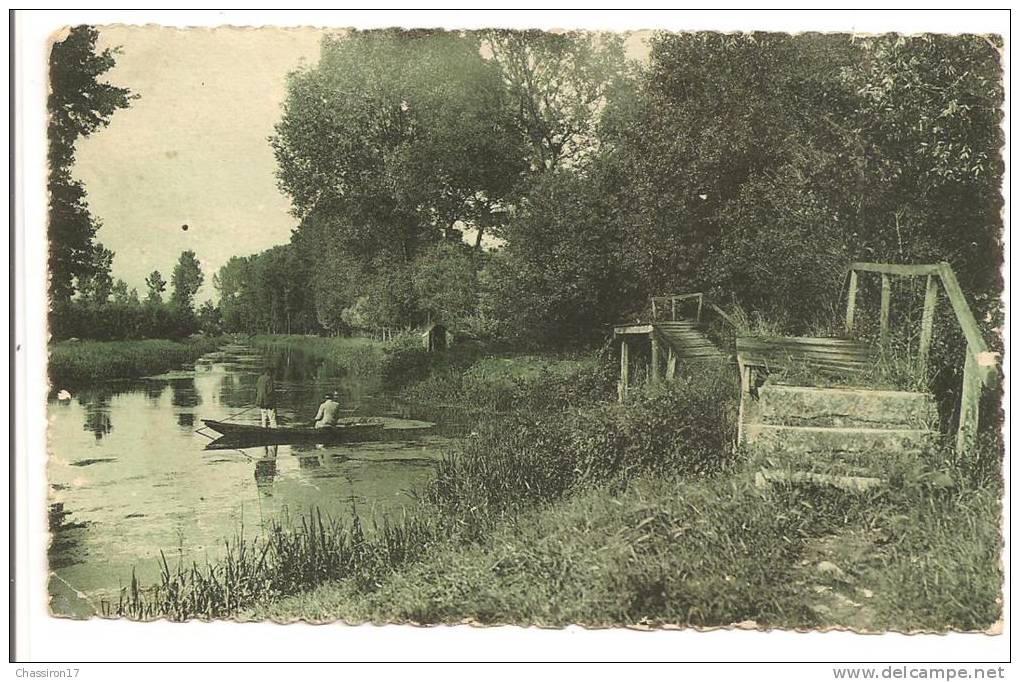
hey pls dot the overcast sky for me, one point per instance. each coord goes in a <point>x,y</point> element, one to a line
<point>192,150</point>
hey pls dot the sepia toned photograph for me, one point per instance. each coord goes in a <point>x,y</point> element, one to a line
<point>503,326</point>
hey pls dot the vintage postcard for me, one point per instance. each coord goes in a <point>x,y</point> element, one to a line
<point>507,326</point>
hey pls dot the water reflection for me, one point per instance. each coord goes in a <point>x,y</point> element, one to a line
<point>150,486</point>
<point>154,391</point>
<point>97,413</point>
<point>265,470</point>
<point>183,393</point>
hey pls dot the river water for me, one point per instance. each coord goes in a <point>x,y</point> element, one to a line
<point>130,477</point>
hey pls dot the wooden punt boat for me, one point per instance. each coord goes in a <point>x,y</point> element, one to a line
<point>282,435</point>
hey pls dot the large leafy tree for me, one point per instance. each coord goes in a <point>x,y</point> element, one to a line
<point>79,105</point>
<point>444,283</point>
<point>926,129</point>
<point>186,279</point>
<point>404,133</point>
<point>559,83</point>
<point>393,143</point>
<point>561,276</point>
<point>760,164</point>
<point>97,285</point>
<point>267,292</point>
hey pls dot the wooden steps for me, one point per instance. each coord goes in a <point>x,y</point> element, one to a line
<point>832,439</point>
<point>828,434</point>
<point>845,407</point>
<point>830,355</point>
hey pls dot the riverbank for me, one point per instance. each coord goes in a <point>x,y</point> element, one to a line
<point>702,553</point>
<point>74,363</point>
<point>566,507</point>
<point>355,355</point>
<point>641,515</point>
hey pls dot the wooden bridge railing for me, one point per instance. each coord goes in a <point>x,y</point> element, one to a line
<point>979,368</point>
<point>672,300</point>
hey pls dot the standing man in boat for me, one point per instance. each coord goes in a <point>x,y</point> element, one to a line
<point>265,398</point>
<point>329,411</point>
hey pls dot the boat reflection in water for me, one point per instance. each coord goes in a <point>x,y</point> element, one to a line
<point>265,470</point>
<point>151,487</point>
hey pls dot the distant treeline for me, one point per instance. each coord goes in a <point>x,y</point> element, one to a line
<point>754,167</point>
<point>113,321</point>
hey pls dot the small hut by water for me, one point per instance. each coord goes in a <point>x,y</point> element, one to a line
<point>436,337</point>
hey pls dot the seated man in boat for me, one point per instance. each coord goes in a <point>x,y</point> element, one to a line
<point>329,411</point>
<point>265,398</point>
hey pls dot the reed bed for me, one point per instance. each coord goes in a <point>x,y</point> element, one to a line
<point>346,355</point>
<point>285,560</point>
<point>74,363</point>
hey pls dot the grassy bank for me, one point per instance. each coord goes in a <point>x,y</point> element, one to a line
<point>705,553</point>
<point>604,514</point>
<point>354,355</point>
<point>73,363</point>
<point>479,379</point>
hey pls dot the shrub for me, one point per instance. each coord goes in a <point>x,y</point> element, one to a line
<point>405,361</point>
<point>686,428</point>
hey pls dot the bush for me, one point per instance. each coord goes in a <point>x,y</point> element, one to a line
<point>685,428</point>
<point>405,361</point>
<point>479,385</point>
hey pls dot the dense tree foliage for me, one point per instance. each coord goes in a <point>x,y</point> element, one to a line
<point>186,280</point>
<point>266,293</point>
<point>79,105</point>
<point>399,141</point>
<point>558,84</point>
<point>403,133</point>
<point>761,164</point>
<point>562,275</point>
<point>155,286</point>
<point>752,166</point>
<point>108,310</point>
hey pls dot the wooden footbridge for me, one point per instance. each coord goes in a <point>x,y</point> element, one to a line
<point>845,417</point>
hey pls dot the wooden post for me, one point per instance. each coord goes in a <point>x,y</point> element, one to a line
<point>745,391</point>
<point>654,378</point>
<point>671,365</point>
<point>624,368</point>
<point>701,301</point>
<point>969,401</point>
<point>673,301</point>
<point>931,294</point>
<point>654,313</point>
<point>851,301</point>
<point>883,322</point>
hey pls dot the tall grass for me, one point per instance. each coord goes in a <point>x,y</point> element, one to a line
<point>354,355</point>
<point>73,363</point>
<point>511,464</point>
<point>704,551</point>
<point>518,384</point>
<point>289,558</point>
